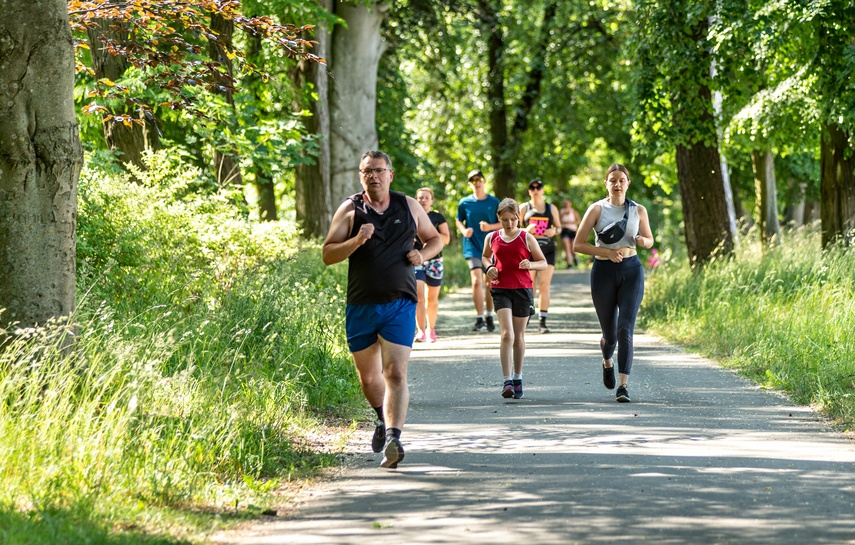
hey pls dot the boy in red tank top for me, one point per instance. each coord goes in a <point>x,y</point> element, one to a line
<point>509,254</point>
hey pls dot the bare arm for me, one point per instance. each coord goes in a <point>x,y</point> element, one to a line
<point>444,233</point>
<point>644,238</point>
<point>538,261</point>
<point>556,222</point>
<point>462,229</point>
<point>487,257</point>
<point>337,246</point>
<point>426,232</point>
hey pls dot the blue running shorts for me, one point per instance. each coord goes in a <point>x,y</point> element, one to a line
<point>394,321</point>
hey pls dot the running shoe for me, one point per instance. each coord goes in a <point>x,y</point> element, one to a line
<point>622,395</point>
<point>543,328</point>
<point>432,335</point>
<point>420,336</point>
<point>508,389</point>
<point>518,393</point>
<point>393,452</point>
<point>490,325</point>
<point>379,437</point>
<point>479,324</point>
<point>609,376</point>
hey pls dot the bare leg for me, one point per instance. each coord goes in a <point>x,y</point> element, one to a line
<point>568,250</point>
<point>544,280</point>
<point>432,305</point>
<point>397,398</point>
<point>507,343</point>
<point>477,278</point>
<point>369,368</point>
<point>421,308</point>
<point>519,342</point>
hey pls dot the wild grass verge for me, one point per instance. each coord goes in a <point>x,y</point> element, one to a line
<point>206,353</point>
<point>782,316</point>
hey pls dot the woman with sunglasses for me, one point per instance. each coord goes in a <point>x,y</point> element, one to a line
<point>541,220</point>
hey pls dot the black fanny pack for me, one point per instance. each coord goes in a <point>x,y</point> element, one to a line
<point>615,231</point>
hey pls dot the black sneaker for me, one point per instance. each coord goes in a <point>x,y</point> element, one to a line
<point>622,395</point>
<point>479,324</point>
<point>392,453</point>
<point>609,376</point>
<point>543,328</point>
<point>508,389</point>
<point>518,392</point>
<point>379,438</point>
<point>490,325</point>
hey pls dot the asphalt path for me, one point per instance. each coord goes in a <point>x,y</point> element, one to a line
<point>701,455</point>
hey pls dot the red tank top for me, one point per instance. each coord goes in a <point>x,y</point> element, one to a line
<point>507,257</point>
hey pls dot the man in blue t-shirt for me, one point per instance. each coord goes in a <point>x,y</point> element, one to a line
<point>476,216</point>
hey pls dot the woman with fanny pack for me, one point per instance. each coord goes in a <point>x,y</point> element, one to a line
<point>541,220</point>
<point>617,277</point>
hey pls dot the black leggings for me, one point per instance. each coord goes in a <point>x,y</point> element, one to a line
<point>617,290</point>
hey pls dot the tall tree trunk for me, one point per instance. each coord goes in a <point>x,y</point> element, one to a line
<point>313,197</point>
<point>131,140</point>
<point>837,185</point>
<point>704,206</point>
<point>267,209</point>
<point>505,144</point>
<point>503,172</point>
<point>226,162</point>
<point>794,214</point>
<point>40,161</point>
<point>763,164</point>
<point>353,98</point>
<point>725,172</point>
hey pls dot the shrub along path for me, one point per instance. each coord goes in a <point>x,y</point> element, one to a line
<point>700,455</point>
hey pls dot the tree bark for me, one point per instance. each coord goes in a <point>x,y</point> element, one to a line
<point>355,58</point>
<point>705,213</point>
<point>131,141</point>
<point>763,164</point>
<point>313,198</point>
<point>503,172</point>
<point>267,208</point>
<point>837,185</point>
<point>40,160</point>
<point>226,163</point>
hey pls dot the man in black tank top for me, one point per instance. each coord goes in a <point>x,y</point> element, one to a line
<point>374,231</point>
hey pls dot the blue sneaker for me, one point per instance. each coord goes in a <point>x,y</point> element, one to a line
<point>518,392</point>
<point>508,389</point>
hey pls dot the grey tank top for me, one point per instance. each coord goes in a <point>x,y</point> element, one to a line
<point>610,213</point>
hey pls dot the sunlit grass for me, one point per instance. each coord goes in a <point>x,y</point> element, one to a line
<point>206,354</point>
<point>783,316</point>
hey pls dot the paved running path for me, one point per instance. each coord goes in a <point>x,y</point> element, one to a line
<point>700,456</point>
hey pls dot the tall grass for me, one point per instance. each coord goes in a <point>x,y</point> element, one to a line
<point>205,352</point>
<point>783,316</point>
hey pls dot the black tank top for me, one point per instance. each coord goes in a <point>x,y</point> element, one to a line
<point>379,271</point>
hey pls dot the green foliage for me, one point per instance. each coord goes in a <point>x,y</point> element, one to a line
<point>782,316</point>
<point>441,54</point>
<point>205,350</point>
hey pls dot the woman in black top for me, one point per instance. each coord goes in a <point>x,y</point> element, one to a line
<point>541,220</point>
<point>429,275</point>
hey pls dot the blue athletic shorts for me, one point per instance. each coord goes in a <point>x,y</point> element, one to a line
<point>394,321</point>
